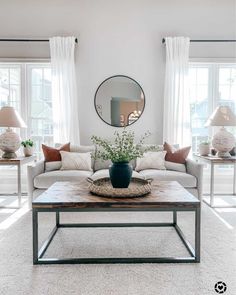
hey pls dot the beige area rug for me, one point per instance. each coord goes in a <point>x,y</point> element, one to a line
<point>19,276</point>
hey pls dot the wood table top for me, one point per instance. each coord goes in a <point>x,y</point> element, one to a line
<point>18,160</point>
<point>215,159</point>
<point>76,195</point>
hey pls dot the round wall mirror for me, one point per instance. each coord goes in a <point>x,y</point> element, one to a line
<point>119,101</point>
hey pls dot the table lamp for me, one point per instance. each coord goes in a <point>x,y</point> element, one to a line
<point>223,141</point>
<point>9,140</point>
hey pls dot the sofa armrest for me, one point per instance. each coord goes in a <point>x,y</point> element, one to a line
<point>196,169</point>
<point>32,172</point>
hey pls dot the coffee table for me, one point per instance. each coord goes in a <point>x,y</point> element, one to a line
<point>75,197</point>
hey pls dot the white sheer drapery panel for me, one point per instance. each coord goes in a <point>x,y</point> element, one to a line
<point>64,92</point>
<point>176,119</point>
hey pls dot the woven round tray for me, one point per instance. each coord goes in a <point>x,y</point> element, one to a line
<point>103,187</point>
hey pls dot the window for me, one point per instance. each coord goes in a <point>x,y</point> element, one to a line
<point>27,87</point>
<point>10,84</point>
<point>211,84</point>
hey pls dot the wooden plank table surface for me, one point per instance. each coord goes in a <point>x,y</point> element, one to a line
<point>77,195</point>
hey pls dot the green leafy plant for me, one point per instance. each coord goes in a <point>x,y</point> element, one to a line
<point>27,143</point>
<point>122,149</point>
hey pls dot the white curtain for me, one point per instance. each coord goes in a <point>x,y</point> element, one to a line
<point>64,94</point>
<point>176,119</point>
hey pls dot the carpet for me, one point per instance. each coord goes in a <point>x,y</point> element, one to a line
<point>19,276</point>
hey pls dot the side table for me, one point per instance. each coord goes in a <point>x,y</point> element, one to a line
<point>19,161</point>
<point>214,160</point>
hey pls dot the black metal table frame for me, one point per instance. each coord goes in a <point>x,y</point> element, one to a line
<point>38,254</point>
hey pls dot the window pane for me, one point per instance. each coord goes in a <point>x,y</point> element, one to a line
<point>15,76</point>
<point>47,84</point>
<point>14,96</point>
<point>202,92</point>
<point>4,95</point>
<point>199,77</point>
<point>36,92</point>
<point>192,76</point>
<point>202,76</point>
<point>47,91</point>
<point>224,91</point>
<point>37,75</point>
<point>41,123</point>
<point>47,74</point>
<point>233,76</point>
<point>10,92</point>
<point>4,76</point>
<point>224,76</point>
<point>227,90</point>
<point>233,91</point>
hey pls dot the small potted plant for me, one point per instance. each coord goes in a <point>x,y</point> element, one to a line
<point>28,147</point>
<point>120,151</point>
<point>204,148</point>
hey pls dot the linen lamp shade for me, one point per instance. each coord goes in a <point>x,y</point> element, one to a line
<point>9,140</point>
<point>223,141</point>
<point>222,116</point>
<point>9,117</point>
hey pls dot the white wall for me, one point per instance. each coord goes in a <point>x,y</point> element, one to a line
<point>119,37</point>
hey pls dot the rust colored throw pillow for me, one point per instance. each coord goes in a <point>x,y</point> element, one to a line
<point>52,154</point>
<point>176,156</point>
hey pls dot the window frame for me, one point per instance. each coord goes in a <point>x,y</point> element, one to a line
<point>213,65</point>
<point>25,86</point>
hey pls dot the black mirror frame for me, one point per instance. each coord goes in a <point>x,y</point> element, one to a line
<point>124,76</point>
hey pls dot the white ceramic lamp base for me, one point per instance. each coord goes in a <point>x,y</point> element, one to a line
<point>223,142</point>
<point>9,143</point>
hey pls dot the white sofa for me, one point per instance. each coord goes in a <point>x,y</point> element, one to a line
<point>43,175</point>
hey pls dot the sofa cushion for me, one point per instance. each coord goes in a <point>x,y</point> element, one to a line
<point>105,173</point>
<point>186,180</point>
<point>76,161</point>
<point>176,155</point>
<point>151,160</point>
<point>81,149</point>
<point>175,166</point>
<point>45,180</point>
<point>53,154</point>
<point>100,164</point>
<point>50,166</point>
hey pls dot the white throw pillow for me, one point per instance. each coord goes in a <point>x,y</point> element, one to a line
<point>151,160</point>
<point>76,161</point>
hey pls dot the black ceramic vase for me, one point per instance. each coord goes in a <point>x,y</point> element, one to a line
<point>120,174</point>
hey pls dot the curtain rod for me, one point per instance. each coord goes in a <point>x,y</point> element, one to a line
<point>29,40</point>
<point>233,40</point>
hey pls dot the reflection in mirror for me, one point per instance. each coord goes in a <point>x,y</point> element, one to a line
<point>119,101</point>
